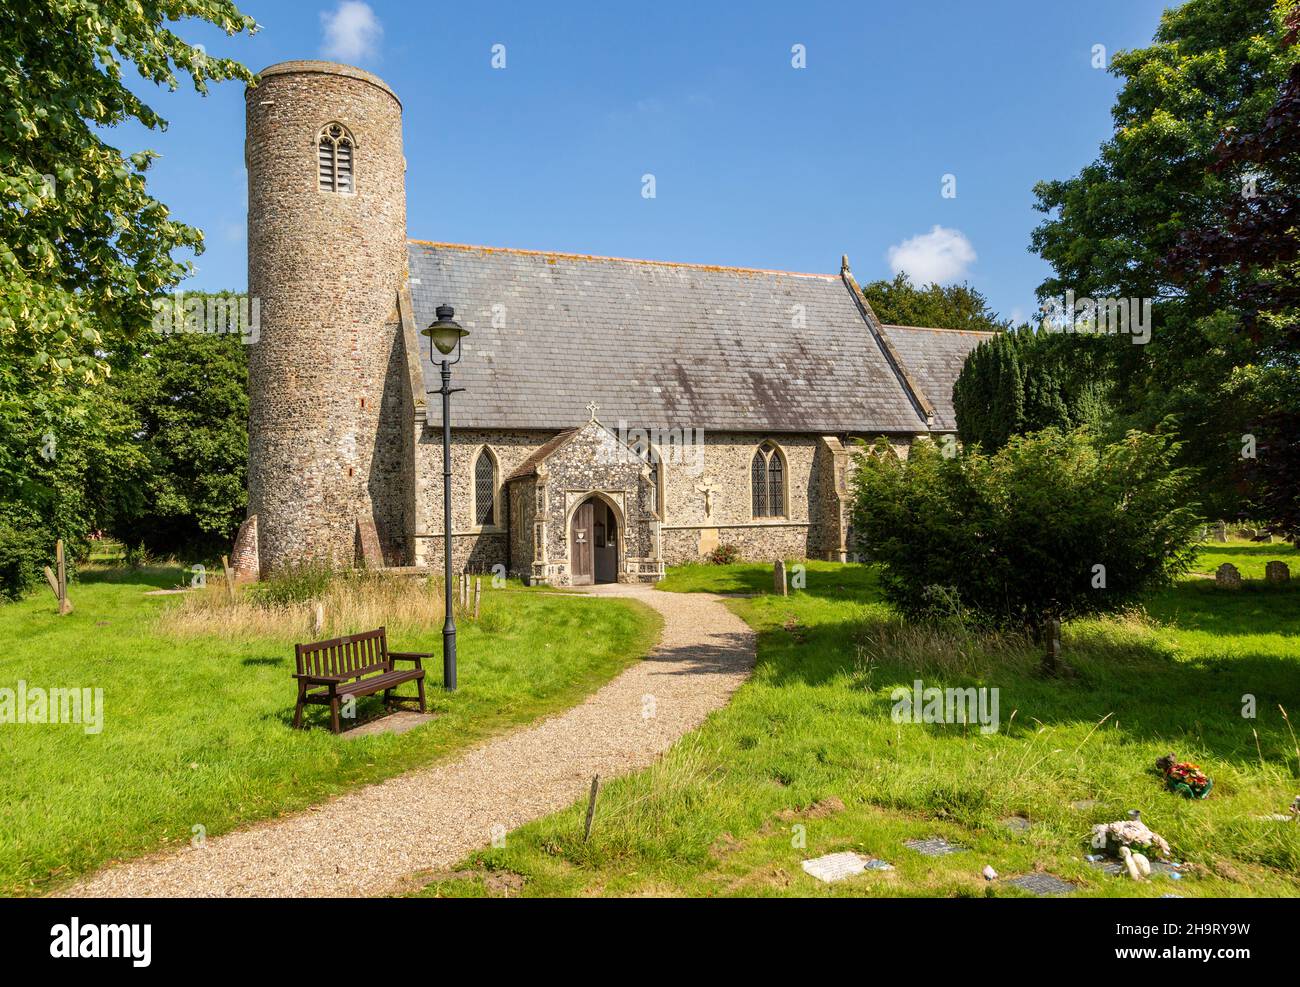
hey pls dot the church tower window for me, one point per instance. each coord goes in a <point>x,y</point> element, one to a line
<point>334,159</point>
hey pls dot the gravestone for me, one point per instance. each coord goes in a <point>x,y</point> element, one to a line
<point>1277,572</point>
<point>1221,531</point>
<point>778,579</point>
<point>1227,576</point>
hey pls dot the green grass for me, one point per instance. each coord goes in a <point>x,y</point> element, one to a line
<point>810,742</point>
<point>198,732</point>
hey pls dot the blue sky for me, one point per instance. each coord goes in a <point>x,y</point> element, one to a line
<point>756,163</point>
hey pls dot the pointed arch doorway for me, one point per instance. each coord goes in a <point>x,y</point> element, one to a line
<point>593,543</point>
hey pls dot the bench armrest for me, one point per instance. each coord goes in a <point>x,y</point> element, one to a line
<point>414,656</point>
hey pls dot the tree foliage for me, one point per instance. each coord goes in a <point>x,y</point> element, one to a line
<point>1244,265</point>
<point>901,303</point>
<point>188,400</point>
<point>84,247</point>
<point>1015,538</point>
<point>1214,67</point>
<point>1021,381</point>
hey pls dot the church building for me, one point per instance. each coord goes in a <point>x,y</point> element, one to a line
<point>618,416</point>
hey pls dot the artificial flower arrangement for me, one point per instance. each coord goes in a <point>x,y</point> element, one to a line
<point>1129,834</point>
<point>1184,778</point>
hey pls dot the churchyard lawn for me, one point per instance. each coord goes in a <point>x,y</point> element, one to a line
<point>809,760</point>
<point>196,735</point>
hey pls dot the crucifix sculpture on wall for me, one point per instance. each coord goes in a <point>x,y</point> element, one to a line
<point>708,489</point>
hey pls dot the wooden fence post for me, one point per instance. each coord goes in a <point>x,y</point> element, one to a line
<point>230,577</point>
<point>1052,656</point>
<point>65,607</point>
<point>591,807</point>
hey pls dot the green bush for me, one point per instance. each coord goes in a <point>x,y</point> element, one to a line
<point>298,583</point>
<point>724,554</point>
<point>22,554</point>
<point>1053,525</point>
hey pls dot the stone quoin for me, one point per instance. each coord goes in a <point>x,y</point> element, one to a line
<point>618,415</point>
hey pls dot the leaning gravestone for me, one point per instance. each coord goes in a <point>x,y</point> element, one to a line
<point>1227,576</point>
<point>1277,572</point>
<point>778,579</point>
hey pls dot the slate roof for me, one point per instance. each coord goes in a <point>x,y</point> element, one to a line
<point>935,358</point>
<point>529,466</point>
<point>658,344</point>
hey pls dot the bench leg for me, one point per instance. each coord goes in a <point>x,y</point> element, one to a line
<point>297,711</point>
<point>419,683</point>
<point>388,698</point>
<point>334,715</point>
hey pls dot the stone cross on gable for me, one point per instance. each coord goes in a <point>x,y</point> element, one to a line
<point>593,407</point>
<point>708,489</point>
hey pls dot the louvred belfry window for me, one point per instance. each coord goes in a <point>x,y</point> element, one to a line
<point>334,159</point>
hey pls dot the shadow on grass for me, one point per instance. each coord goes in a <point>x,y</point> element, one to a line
<point>1256,608</point>
<point>1138,674</point>
<point>158,577</point>
<point>825,580</point>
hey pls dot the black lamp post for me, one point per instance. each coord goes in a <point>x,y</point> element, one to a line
<point>445,334</point>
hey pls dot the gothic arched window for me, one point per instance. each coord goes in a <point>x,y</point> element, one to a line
<point>485,489</point>
<point>767,481</point>
<point>334,159</point>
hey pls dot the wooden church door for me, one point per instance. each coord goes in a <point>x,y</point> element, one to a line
<point>580,541</point>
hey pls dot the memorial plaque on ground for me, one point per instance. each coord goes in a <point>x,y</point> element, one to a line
<point>936,847</point>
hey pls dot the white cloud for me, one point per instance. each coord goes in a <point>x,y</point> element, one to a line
<point>352,32</point>
<point>942,256</point>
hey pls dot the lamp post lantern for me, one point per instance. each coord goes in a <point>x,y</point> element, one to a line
<point>445,334</point>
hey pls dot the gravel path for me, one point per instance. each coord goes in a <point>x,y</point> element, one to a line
<point>436,815</point>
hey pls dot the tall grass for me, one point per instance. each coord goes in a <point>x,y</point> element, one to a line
<point>286,606</point>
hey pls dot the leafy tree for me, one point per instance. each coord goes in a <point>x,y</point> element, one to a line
<point>188,397</point>
<point>84,248</point>
<point>901,303</point>
<point>1214,65</point>
<point>1243,268</point>
<point>1015,538</point>
<point>1022,381</point>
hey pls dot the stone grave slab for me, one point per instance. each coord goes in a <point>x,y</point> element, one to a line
<point>1042,884</point>
<point>835,866</point>
<point>1017,824</point>
<point>934,847</point>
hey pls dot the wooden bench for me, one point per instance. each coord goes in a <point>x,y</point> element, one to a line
<point>355,665</point>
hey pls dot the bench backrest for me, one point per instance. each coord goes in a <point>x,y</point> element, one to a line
<point>353,655</point>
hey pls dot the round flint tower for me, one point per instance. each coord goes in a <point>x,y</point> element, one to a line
<point>326,256</point>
